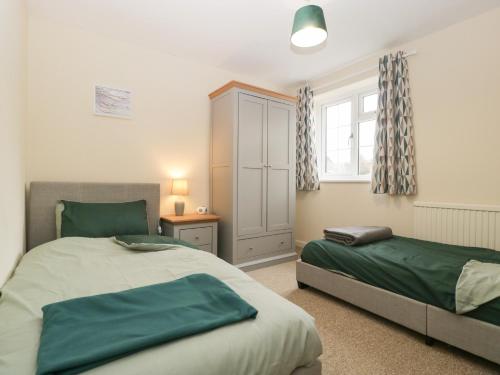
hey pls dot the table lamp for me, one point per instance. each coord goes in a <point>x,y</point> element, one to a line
<point>179,187</point>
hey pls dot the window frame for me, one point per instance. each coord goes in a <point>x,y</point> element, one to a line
<point>354,96</point>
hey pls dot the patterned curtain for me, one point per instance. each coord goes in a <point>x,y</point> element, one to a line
<point>307,165</point>
<point>394,160</point>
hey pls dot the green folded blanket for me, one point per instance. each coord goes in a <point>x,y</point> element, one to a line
<point>150,242</point>
<point>83,333</point>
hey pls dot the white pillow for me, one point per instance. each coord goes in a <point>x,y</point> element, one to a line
<point>59,210</point>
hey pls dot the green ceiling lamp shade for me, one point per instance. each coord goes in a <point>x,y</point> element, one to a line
<point>309,27</point>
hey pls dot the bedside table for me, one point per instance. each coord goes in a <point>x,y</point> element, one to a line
<point>200,230</point>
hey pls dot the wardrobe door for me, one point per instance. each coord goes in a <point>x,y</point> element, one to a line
<point>280,166</point>
<point>252,154</point>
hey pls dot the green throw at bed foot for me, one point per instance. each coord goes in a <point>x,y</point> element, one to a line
<point>83,333</point>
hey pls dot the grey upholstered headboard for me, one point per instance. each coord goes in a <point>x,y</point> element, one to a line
<point>44,196</point>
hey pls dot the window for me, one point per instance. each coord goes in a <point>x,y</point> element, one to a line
<point>347,136</point>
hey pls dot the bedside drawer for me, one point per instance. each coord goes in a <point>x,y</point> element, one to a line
<point>207,248</point>
<point>251,248</point>
<point>197,236</point>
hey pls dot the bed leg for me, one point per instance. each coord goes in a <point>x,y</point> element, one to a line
<point>429,341</point>
<point>302,285</point>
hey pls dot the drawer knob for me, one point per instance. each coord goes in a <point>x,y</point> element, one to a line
<point>196,237</point>
<point>282,242</point>
<point>250,248</point>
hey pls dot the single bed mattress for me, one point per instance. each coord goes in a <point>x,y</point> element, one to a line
<point>422,270</point>
<point>281,338</point>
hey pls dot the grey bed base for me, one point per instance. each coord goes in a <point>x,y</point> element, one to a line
<point>472,335</point>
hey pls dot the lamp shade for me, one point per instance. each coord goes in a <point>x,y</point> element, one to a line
<point>179,186</point>
<point>309,27</point>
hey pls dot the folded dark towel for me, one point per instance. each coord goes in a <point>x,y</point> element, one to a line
<point>351,236</point>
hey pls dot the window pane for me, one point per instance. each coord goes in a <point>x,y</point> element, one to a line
<point>339,139</point>
<point>370,103</point>
<point>366,142</point>
<point>339,162</point>
<point>344,113</point>
<point>365,160</point>
<point>366,133</point>
<point>344,136</point>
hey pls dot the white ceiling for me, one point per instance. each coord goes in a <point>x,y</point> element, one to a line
<point>252,36</point>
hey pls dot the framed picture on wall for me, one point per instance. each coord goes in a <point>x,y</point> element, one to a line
<point>112,102</point>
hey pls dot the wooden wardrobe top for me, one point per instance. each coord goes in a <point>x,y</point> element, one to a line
<point>246,86</point>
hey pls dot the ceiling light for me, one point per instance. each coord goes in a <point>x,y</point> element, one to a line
<point>309,27</point>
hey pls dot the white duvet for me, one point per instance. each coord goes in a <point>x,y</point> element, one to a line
<point>280,339</point>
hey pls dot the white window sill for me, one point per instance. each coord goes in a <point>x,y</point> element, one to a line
<point>355,179</point>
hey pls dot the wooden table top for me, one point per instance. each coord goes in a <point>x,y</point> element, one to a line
<point>190,218</point>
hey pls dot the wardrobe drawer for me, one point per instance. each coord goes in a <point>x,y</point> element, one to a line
<point>258,247</point>
<point>197,236</point>
<point>281,241</point>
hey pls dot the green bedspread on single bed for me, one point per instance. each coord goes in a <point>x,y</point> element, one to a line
<point>83,333</point>
<point>422,270</point>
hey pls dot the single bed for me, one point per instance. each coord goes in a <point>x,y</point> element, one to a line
<point>409,281</point>
<point>282,340</point>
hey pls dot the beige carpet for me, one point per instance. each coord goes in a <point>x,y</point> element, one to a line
<point>356,342</point>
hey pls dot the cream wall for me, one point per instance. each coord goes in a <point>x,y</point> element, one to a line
<point>455,88</point>
<point>12,123</point>
<point>168,134</point>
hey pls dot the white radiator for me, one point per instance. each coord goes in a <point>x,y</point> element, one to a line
<point>458,224</point>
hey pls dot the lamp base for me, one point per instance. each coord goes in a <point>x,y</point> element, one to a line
<point>179,208</point>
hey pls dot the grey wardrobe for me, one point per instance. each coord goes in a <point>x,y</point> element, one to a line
<point>252,173</point>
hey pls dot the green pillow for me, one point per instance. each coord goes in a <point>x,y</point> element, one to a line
<point>150,242</point>
<point>103,219</point>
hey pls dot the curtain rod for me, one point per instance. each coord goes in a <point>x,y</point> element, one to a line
<point>326,86</point>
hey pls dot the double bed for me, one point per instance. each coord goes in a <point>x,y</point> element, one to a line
<point>281,340</point>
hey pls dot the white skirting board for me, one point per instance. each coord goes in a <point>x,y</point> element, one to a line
<point>300,244</point>
<point>252,265</point>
